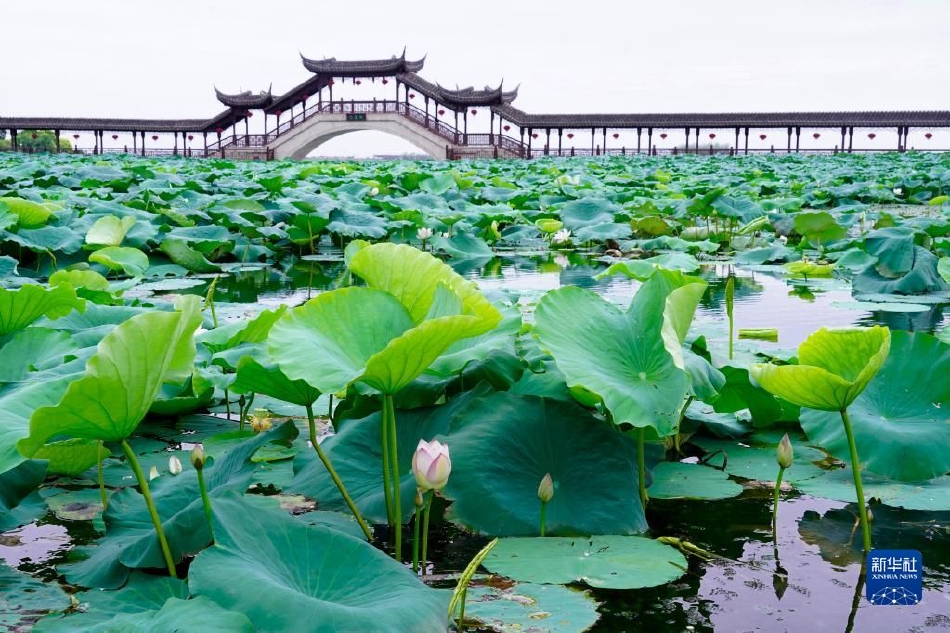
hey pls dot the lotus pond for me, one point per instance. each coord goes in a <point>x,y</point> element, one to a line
<point>572,385</point>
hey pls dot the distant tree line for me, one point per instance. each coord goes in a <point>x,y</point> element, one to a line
<point>44,141</point>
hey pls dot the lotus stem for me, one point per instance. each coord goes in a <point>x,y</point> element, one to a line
<point>387,483</point>
<point>102,485</point>
<point>333,475</point>
<point>143,486</point>
<point>858,486</point>
<point>394,464</point>
<point>544,507</point>
<point>205,500</point>
<point>417,518</point>
<point>642,467</point>
<point>245,409</point>
<point>778,487</point>
<point>425,531</point>
<point>227,403</point>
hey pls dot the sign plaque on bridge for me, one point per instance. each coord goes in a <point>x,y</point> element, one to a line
<point>356,116</point>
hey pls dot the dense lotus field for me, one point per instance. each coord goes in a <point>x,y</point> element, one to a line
<point>397,439</point>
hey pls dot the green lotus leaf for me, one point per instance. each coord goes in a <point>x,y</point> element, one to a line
<point>122,379</point>
<point>932,495</point>
<point>254,330</point>
<point>639,369</point>
<point>31,351</point>
<point>754,457</point>
<point>131,261</point>
<point>266,378</point>
<point>809,269</point>
<point>901,429</point>
<point>676,480</point>
<point>109,230</point>
<point>73,456</point>
<point>19,502</point>
<point>308,577</point>
<point>16,407</point>
<point>922,276</point>
<point>592,465</point>
<point>818,226</point>
<point>184,255</point>
<point>835,365</point>
<point>194,615</point>
<point>30,215</point>
<point>529,607</point>
<point>19,308</point>
<point>605,562</point>
<point>25,598</point>
<point>590,211</point>
<point>353,222</point>
<point>549,225</point>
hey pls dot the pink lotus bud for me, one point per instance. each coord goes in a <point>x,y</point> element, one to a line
<point>431,465</point>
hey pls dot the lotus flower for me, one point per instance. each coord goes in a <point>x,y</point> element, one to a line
<point>834,367</point>
<point>546,489</point>
<point>784,454</point>
<point>424,233</point>
<point>174,465</point>
<point>198,457</point>
<point>431,465</point>
<point>561,237</point>
<point>260,421</point>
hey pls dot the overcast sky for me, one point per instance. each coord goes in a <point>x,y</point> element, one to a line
<point>162,59</point>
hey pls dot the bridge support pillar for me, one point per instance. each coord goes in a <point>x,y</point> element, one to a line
<point>649,140</point>
<point>850,139</point>
<point>57,142</point>
<point>746,140</point>
<point>789,149</point>
<point>798,138</point>
<point>687,141</point>
<point>639,132</point>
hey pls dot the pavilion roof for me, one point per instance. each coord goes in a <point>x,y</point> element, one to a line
<point>460,98</point>
<point>246,100</point>
<point>309,88</point>
<point>363,68</point>
<point>918,118</point>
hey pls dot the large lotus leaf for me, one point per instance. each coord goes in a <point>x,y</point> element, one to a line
<point>605,562</point>
<point>593,467</point>
<point>71,457</point>
<point>243,331</point>
<point>739,393</point>
<point>478,348</point>
<point>742,209</point>
<point>30,215</point>
<point>328,340</point>
<point>590,211</point>
<point>198,615</point>
<point>308,578</point>
<point>142,593</point>
<point>932,495</point>
<point>894,249</point>
<point>131,261</point>
<point>130,541</point>
<point>47,239</point>
<point>184,255</point>
<point>922,276</point>
<point>462,246</point>
<point>19,308</point>
<point>33,350</point>
<point>754,458</point>
<point>624,357</point>
<point>109,230</point>
<point>413,277</point>
<point>676,480</point>
<point>356,223</point>
<point>17,487</point>
<point>819,226</point>
<point>835,365</point>
<point>266,378</point>
<point>26,598</point>
<point>122,379</point>
<point>16,407</point>
<point>901,429</point>
<point>602,232</point>
<point>529,607</point>
<point>355,453</point>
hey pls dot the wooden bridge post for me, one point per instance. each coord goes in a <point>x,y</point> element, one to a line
<point>747,140</point>
<point>844,131</point>
<point>697,140</point>
<point>57,142</point>
<point>789,150</point>
<point>639,131</point>
<point>593,135</point>
<point>737,139</point>
<point>560,133</point>
<point>143,142</point>
<point>605,141</point>
<point>850,139</point>
<point>547,143</point>
<point>798,138</point>
<point>649,140</point>
<point>687,141</point>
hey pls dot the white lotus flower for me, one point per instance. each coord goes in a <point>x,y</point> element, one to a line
<point>431,465</point>
<point>424,233</point>
<point>898,191</point>
<point>174,465</point>
<point>373,192</point>
<point>783,239</point>
<point>561,237</point>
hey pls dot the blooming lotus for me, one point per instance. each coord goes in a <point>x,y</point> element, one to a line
<point>431,465</point>
<point>424,233</point>
<point>561,237</point>
<point>546,488</point>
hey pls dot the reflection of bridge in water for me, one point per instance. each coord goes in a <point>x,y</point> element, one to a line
<point>436,119</point>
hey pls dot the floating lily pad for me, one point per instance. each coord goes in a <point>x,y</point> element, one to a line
<point>931,495</point>
<point>676,480</point>
<point>605,562</point>
<point>530,607</point>
<point>759,462</point>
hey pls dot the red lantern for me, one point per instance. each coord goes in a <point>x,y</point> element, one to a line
<point>872,135</point>
<point>507,127</point>
<point>219,129</point>
<point>358,82</point>
<point>385,81</point>
<point>249,114</point>
<point>816,135</point>
<point>305,97</point>
<point>76,136</point>
<point>763,136</point>
<point>663,136</point>
<point>191,137</point>
<point>535,135</point>
<point>331,82</point>
<point>441,112</point>
<point>928,136</point>
<point>154,137</point>
<point>712,135</point>
<point>474,112</point>
<point>115,137</point>
<point>570,135</point>
<point>33,135</point>
<point>412,96</point>
<point>616,135</point>
<point>278,112</point>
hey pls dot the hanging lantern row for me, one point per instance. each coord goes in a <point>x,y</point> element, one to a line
<point>115,137</point>
<point>616,135</point>
<point>76,136</point>
<point>872,135</point>
<point>535,135</point>
<point>816,135</point>
<point>712,135</point>
<point>928,136</point>
<point>570,135</point>
<point>663,135</point>
<point>154,137</point>
<point>191,137</point>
